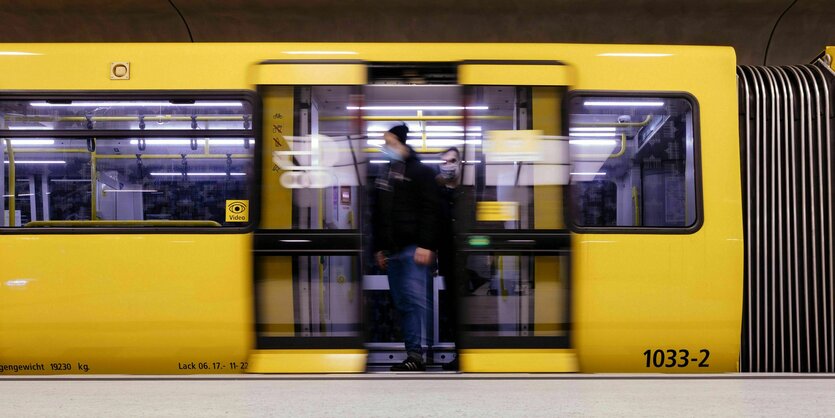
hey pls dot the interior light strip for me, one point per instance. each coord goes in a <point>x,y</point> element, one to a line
<point>608,142</point>
<point>433,134</point>
<point>416,108</point>
<point>432,129</point>
<point>623,104</point>
<point>593,134</point>
<point>429,142</point>
<point>196,174</point>
<point>129,191</point>
<point>600,129</point>
<point>33,141</point>
<point>136,104</point>
<point>37,162</point>
<point>200,141</point>
<point>30,128</point>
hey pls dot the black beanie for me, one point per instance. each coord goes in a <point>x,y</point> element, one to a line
<point>401,131</point>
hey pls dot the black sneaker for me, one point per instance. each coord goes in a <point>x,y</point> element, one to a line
<point>452,366</point>
<point>411,364</point>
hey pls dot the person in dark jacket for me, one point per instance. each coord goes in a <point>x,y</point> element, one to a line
<point>455,218</point>
<point>405,233</point>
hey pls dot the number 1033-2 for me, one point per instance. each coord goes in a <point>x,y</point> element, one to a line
<point>676,358</point>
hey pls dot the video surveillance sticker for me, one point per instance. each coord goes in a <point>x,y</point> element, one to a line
<point>237,211</point>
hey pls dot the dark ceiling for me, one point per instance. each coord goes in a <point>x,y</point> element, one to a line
<point>744,24</point>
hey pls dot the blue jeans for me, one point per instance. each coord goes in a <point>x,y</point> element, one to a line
<point>410,290</point>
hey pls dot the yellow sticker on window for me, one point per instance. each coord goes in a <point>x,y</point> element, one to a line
<point>237,211</point>
<point>497,211</point>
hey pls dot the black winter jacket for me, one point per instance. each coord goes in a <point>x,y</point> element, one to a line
<point>406,206</point>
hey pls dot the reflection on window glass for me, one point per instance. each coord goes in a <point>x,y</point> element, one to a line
<point>132,176</point>
<point>633,161</point>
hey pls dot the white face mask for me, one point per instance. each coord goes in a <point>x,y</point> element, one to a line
<point>449,171</point>
<point>391,153</point>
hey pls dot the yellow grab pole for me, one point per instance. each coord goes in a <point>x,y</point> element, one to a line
<point>93,184</point>
<point>10,151</point>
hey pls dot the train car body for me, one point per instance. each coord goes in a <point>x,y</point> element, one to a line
<point>657,287</point>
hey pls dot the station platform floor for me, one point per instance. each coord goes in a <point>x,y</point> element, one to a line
<point>420,395</point>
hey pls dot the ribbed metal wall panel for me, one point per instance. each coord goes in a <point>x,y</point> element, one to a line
<point>786,133</point>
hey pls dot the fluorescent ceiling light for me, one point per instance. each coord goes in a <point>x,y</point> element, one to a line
<point>18,53</point>
<point>452,128</point>
<point>429,142</point>
<point>378,161</point>
<point>129,191</point>
<point>70,180</point>
<point>436,142</point>
<point>432,161</point>
<point>623,103</point>
<point>136,104</point>
<point>320,52</point>
<point>594,129</point>
<point>30,128</point>
<point>416,107</point>
<point>195,174</point>
<point>33,141</point>
<point>633,54</point>
<point>37,162</point>
<point>433,134</point>
<point>587,174</point>
<point>444,142</point>
<point>19,195</point>
<point>431,129</point>
<point>593,134</point>
<point>200,141</point>
<point>608,142</point>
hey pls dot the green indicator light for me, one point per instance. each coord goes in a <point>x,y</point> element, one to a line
<point>479,241</point>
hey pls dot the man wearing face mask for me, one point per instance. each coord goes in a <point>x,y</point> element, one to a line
<point>405,233</point>
<point>456,201</point>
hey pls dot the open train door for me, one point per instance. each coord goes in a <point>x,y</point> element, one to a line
<point>513,268</point>
<point>307,284</point>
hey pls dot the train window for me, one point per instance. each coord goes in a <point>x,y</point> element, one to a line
<point>633,161</point>
<point>129,178</point>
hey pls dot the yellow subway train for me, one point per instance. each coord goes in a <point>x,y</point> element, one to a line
<point>204,208</point>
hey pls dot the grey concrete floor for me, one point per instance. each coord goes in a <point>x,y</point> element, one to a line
<point>442,395</point>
